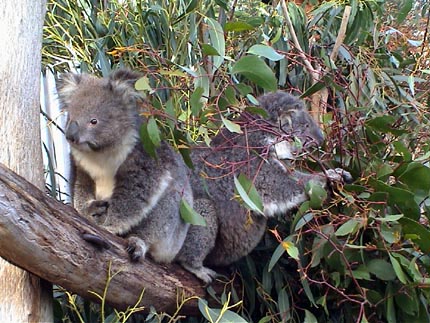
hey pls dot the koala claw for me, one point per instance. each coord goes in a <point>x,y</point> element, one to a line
<point>339,175</point>
<point>136,248</point>
<point>205,274</point>
<point>96,208</point>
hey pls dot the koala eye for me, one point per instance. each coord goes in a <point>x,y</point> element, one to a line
<point>93,121</point>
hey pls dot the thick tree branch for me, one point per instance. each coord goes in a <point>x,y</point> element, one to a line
<point>50,239</point>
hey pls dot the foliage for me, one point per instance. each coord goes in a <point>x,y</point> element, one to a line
<point>362,256</point>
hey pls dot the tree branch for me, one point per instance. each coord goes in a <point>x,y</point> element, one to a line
<point>318,99</point>
<point>51,240</point>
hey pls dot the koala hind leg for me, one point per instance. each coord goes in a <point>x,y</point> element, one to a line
<point>200,241</point>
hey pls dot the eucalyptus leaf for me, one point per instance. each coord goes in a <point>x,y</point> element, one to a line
<point>247,192</point>
<point>153,132</point>
<point>230,125</point>
<point>381,269</point>
<point>216,34</point>
<point>255,70</point>
<point>189,215</point>
<point>266,51</point>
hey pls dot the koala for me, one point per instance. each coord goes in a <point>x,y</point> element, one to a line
<point>261,152</point>
<point>116,184</point>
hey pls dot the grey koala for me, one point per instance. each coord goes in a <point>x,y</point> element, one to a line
<point>115,182</point>
<point>261,152</point>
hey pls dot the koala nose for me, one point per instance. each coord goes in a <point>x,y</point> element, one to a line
<point>72,132</point>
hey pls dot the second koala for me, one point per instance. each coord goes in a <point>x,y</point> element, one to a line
<point>115,182</point>
<point>261,152</point>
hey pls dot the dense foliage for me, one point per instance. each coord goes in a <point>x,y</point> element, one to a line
<point>361,256</point>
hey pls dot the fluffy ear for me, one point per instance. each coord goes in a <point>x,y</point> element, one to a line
<point>125,75</point>
<point>122,81</point>
<point>66,86</point>
<point>280,103</point>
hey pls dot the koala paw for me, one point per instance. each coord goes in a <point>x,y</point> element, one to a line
<point>96,209</point>
<point>339,175</point>
<point>136,248</point>
<point>207,275</point>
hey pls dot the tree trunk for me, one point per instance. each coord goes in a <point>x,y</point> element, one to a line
<point>23,297</point>
<point>54,242</point>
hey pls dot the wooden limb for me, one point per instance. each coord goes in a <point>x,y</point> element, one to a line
<point>51,240</point>
<point>318,99</point>
<point>342,33</point>
<point>302,54</point>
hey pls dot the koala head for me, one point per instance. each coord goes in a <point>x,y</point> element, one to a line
<point>101,112</point>
<point>288,113</point>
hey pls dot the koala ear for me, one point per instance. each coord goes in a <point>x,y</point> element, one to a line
<point>122,81</point>
<point>125,75</point>
<point>66,86</point>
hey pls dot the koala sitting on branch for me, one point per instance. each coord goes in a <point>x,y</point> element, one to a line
<point>115,182</point>
<point>261,152</point>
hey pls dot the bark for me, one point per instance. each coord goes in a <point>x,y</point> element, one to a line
<point>54,242</point>
<point>23,297</point>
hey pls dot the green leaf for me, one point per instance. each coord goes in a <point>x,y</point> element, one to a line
<point>210,314</point>
<point>403,13</point>
<point>416,177</point>
<point>414,228</point>
<point>361,273</point>
<point>142,84</point>
<point>216,34</point>
<point>147,142</point>
<point>391,311</point>
<point>350,226</point>
<point>258,111</point>
<point>231,317</point>
<point>313,89</point>
<point>389,218</point>
<point>309,317</point>
<point>208,50</point>
<point>237,26</point>
<point>317,194</point>
<point>284,305</point>
<point>266,51</point>
<point>196,102</point>
<point>254,69</point>
<point>265,319</point>
<point>189,215</point>
<point>231,126</point>
<point>248,193</point>
<point>277,254</point>
<point>381,269</point>
<point>244,89</point>
<point>403,199</point>
<point>153,132</point>
<point>385,124</point>
<point>292,250</point>
<point>230,95</point>
<point>398,270</point>
<point>185,153</point>
<point>218,315</point>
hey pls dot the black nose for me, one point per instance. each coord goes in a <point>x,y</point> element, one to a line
<point>72,132</point>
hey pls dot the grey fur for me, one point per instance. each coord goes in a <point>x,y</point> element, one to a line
<point>231,233</point>
<point>115,182</point>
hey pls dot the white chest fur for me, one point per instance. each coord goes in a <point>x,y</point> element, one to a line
<point>102,166</point>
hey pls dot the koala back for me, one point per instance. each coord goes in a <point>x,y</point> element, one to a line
<point>269,140</point>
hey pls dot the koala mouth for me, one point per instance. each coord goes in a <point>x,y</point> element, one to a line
<point>86,146</point>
